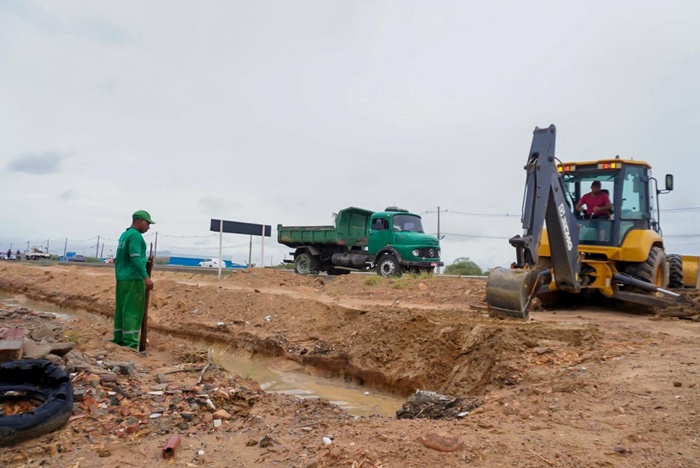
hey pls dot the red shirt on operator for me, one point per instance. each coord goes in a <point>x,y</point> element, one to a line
<point>597,202</point>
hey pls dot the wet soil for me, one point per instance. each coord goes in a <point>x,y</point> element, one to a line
<point>576,387</point>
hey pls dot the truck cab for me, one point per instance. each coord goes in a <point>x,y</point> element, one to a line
<point>398,233</point>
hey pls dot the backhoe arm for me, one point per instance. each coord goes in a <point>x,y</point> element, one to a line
<point>544,202</point>
<point>509,291</point>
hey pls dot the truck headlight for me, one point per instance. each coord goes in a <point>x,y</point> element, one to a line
<point>415,252</point>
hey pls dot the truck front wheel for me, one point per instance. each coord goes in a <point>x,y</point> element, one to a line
<point>306,264</point>
<point>388,266</point>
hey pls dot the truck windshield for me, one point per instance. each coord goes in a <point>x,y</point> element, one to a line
<point>408,223</point>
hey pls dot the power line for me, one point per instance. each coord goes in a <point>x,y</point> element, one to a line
<point>474,236</point>
<point>466,213</point>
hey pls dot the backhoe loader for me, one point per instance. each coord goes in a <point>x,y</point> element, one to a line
<point>562,252</point>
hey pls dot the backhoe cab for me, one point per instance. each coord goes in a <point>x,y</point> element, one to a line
<point>562,251</point>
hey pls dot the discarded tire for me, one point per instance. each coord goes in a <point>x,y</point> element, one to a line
<point>40,380</point>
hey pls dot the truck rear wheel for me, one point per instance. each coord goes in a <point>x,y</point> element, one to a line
<point>389,266</point>
<point>306,264</point>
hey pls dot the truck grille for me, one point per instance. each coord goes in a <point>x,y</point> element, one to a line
<point>429,252</point>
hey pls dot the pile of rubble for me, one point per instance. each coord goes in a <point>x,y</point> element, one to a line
<point>117,399</point>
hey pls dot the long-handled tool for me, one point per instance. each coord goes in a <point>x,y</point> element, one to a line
<point>143,341</point>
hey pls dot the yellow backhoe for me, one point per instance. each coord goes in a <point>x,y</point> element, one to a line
<point>620,255</point>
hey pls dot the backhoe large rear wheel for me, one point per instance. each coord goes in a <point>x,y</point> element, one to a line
<point>675,266</point>
<point>653,270</point>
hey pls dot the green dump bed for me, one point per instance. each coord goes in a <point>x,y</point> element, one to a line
<point>351,229</point>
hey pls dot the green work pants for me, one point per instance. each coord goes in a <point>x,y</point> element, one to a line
<point>131,299</point>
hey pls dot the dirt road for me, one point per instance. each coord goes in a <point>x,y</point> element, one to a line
<point>581,387</point>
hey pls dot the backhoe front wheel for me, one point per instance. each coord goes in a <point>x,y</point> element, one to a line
<point>389,266</point>
<point>306,264</point>
<point>654,270</point>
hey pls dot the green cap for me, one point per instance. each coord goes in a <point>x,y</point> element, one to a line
<point>143,214</point>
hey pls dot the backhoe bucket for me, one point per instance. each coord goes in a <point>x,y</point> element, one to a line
<point>509,291</point>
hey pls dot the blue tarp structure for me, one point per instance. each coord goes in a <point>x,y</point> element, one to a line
<point>190,261</point>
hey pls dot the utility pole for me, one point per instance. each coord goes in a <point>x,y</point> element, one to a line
<point>65,248</point>
<point>97,248</point>
<point>47,245</point>
<point>102,252</point>
<point>27,247</point>
<point>250,251</point>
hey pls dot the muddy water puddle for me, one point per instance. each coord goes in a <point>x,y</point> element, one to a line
<point>273,375</point>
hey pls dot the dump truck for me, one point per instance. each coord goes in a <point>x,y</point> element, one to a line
<point>561,252</point>
<point>391,241</point>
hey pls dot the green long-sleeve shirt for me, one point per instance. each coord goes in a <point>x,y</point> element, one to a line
<point>130,260</point>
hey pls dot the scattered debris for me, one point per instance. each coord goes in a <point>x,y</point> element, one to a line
<point>440,441</point>
<point>431,405</point>
<point>171,445</point>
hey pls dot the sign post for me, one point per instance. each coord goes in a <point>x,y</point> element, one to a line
<point>237,227</point>
<point>221,238</point>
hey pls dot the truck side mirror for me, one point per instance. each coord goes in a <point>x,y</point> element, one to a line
<point>669,182</point>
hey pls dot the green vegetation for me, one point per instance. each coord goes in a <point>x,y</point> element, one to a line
<point>372,281</point>
<point>73,337</point>
<point>421,276</point>
<point>464,266</point>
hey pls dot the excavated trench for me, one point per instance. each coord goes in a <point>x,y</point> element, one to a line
<point>272,374</point>
<point>381,348</point>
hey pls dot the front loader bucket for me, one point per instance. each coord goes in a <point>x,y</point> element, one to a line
<point>509,291</point>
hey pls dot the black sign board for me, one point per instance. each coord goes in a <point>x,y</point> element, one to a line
<point>235,227</point>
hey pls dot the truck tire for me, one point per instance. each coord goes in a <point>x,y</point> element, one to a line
<point>675,266</point>
<point>41,380</point>
<point>653,270</point>
<point>389,266</point>
<point>306,264</point>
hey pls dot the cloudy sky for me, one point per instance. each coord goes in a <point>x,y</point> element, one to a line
<point>287,111</point>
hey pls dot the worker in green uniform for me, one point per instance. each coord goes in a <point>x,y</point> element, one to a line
<point>132,281</point>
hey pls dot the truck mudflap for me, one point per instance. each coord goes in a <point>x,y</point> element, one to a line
<point>509,291</point>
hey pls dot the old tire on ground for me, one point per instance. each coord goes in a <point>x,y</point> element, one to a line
<point>389,266</point>
<point>36,379</point>
<point>675,266</point>
<point>306,264</point>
